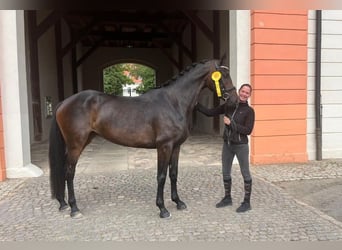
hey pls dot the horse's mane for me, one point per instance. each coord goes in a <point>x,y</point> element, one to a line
<point>180,74</point>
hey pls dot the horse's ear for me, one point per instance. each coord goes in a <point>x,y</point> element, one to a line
<point>223,60</point>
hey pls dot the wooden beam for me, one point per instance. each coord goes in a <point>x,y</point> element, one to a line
<point>34,75</point>
<point>48,22</point>
<point>75,38</point>
<point>140,36</point>
<point>216,34</point>
<point>216,53</point>
<point>180,56</point>
<point>89,52</point>
<point>177,40</point>
<point>74,70</point>
<point>194,42</point>
<point>59,61</point>
<point>200,24</point>
<point>168,55</point>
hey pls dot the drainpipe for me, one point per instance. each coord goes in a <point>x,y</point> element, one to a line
<point>318,105</point>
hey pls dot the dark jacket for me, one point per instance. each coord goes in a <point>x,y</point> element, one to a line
<point>242,121</point>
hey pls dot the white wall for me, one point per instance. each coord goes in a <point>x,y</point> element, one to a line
<point>331,83</point>
<point>331,87</point>
<point>240,43</point>
<point>13,82</point>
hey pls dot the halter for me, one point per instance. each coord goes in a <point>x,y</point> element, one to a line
<point>216,76</point>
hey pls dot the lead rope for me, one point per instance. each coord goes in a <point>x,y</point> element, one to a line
<point>235,110</point>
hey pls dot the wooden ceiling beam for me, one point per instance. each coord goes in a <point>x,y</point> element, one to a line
<point>48,22</point>
<point>89,52</point>
<point>76,37</point>
<point>200,24</point>
<point>168,55</point>
<point>177,40</point>
<point>138,36</point>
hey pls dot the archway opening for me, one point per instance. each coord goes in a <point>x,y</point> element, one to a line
<point>128,79</point>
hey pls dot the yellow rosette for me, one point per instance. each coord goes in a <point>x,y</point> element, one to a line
<point>216,76</point>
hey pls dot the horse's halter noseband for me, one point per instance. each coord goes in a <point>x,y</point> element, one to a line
<point>221,92</point>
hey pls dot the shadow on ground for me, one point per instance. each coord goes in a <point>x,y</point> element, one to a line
<point>323,194</point>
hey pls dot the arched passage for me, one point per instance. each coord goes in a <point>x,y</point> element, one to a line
<point>128,79</point>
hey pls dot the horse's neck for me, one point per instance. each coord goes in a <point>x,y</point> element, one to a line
<point>186,91</point>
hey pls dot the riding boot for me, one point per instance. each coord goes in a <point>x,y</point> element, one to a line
<point>246,204</point>
<point>227,199</point>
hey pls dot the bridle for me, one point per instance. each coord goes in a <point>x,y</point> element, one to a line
<point>221,91</point>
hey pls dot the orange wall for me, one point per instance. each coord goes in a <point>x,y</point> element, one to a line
<point>2,148</point>
<point>279,76</point>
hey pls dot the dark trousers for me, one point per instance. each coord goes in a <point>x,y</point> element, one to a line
<point>241,151</point>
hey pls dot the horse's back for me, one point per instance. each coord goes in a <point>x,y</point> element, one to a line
<point>123,120</point>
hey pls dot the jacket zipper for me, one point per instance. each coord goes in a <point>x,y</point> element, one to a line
<point>229,132</point>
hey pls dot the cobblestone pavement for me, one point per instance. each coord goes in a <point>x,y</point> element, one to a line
<point>116,188</point>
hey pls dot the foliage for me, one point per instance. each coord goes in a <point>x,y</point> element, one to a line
<point>114,79</point>
<point>147,75</point>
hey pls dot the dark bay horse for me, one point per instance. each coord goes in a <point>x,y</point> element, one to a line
<point>157,119</point>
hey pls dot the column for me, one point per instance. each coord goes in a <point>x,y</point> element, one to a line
<point>14,92</point>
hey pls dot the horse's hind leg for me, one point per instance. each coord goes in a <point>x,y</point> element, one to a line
<point>60,196</point>
<point>74,146</point>
<point>173,178</point>
<point>62,204</point>
<point>73,156</point>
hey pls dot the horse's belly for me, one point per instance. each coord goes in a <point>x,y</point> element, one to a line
<point>142,139</point>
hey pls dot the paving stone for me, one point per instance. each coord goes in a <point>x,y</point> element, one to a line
<point>117,199</point>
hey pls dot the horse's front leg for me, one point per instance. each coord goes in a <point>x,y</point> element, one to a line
<point>173,178</point>
<point>164,153</point>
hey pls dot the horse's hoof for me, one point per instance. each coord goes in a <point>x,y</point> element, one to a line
<point>165,214</point>
<point>63,208</point>
<point>181,206</point>
<point>76,215</point>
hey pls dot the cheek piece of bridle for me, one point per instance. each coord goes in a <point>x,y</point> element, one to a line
<point>221,92</point>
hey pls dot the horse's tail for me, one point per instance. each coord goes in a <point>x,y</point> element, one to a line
<point>57,160</point>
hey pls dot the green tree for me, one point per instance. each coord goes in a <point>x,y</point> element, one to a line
<point>147,75</point>
<point>114,78</point>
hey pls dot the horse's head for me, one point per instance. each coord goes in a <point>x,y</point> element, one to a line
<point>220,82</point>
